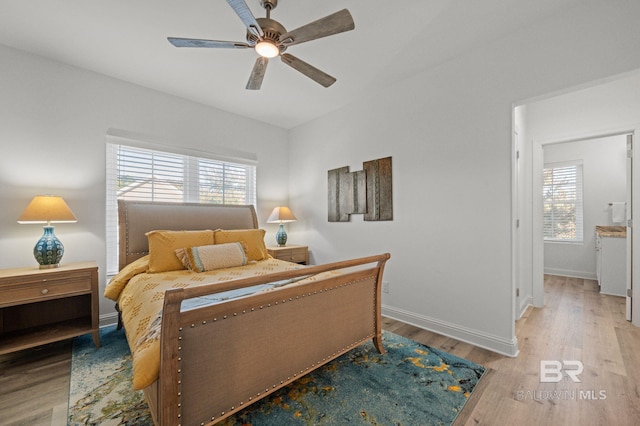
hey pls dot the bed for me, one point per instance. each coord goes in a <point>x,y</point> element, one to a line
<point>216,341</point>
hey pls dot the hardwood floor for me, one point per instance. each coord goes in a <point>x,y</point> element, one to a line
<point>34,385</point>
<point>577,323</point>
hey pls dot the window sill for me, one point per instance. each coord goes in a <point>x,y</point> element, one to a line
<point>573,243</point>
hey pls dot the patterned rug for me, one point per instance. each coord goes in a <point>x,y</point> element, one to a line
<point>412,384</point>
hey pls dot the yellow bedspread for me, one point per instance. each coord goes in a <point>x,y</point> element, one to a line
<point>140,296</point>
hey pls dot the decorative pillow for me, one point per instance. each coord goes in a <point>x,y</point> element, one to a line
<point>162,246</point>
<point>118,282</point>
<point>252,241</point>
<point>208,258</point>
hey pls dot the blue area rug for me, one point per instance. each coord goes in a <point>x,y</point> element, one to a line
<point>412,384</point>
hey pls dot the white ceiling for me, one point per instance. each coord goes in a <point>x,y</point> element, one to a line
<point>126,39</point>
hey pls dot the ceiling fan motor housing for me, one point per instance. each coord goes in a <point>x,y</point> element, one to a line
<point>272,31</point>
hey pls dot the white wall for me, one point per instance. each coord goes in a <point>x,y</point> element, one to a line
<point>604,163</point>
<point>449,131</point>
<point>604,106</point>
<point>54,120</point>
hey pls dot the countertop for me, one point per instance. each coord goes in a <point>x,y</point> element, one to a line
<point>612,231</point>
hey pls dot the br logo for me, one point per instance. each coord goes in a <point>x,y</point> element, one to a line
<point>552,371</point>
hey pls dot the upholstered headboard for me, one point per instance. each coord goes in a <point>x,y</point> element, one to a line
<point>136,218</point>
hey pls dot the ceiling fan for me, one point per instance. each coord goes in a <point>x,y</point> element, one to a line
<point>270,39</point>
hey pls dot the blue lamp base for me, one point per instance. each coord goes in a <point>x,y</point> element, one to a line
<point>281,236</point>
<point>48,250</point>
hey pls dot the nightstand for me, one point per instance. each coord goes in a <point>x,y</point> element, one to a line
<point>39,306</point>
<point>290,253</point>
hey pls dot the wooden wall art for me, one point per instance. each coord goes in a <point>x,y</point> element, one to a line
<point>366,191</point>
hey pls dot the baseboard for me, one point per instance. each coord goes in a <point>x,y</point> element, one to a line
<point>570,273</point>
<point>464,334</point>
<point>524,304</point>
<point>108,319</point>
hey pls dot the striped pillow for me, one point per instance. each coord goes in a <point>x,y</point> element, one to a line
<point>210,257</point>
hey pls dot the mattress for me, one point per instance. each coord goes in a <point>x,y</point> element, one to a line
<point>140,297</point>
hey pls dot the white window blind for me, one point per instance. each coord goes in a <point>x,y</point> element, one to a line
<point>135,173</point>
<point>563,212</point>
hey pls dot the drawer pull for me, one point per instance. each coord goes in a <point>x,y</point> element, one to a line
<point>44,291</point>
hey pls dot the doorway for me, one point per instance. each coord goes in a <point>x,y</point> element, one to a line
<point>601,198</point>
<point>602,110</point>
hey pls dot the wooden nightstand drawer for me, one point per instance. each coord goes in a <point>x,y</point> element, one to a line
<point>295,254</point>
<point>44,289</point>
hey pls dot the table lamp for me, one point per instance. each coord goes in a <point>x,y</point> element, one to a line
<point>281,215</point>
<point>47,209</point>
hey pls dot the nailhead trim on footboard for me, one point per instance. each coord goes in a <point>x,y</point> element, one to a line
<point>293,375</point>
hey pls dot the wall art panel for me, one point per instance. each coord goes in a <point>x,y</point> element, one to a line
<point>366,192</point>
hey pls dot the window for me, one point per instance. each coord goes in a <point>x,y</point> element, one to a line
<point>563,202</point>
<point>140,173</point>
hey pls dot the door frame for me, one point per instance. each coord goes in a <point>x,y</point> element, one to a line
<point>629,212</point>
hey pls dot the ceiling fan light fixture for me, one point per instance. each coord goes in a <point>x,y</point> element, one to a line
<point>267,49</point>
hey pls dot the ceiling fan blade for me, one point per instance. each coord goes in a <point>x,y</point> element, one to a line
<point>335,23</point>
<point>257,74</point>
<point>194,42</point>
<point>243,11</point>
<point>309,70</point>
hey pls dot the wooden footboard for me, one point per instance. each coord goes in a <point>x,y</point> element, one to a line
<point>218,359</point>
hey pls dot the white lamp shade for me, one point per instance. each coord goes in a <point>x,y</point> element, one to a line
<point>47,209</point>
<point>281,215</point>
